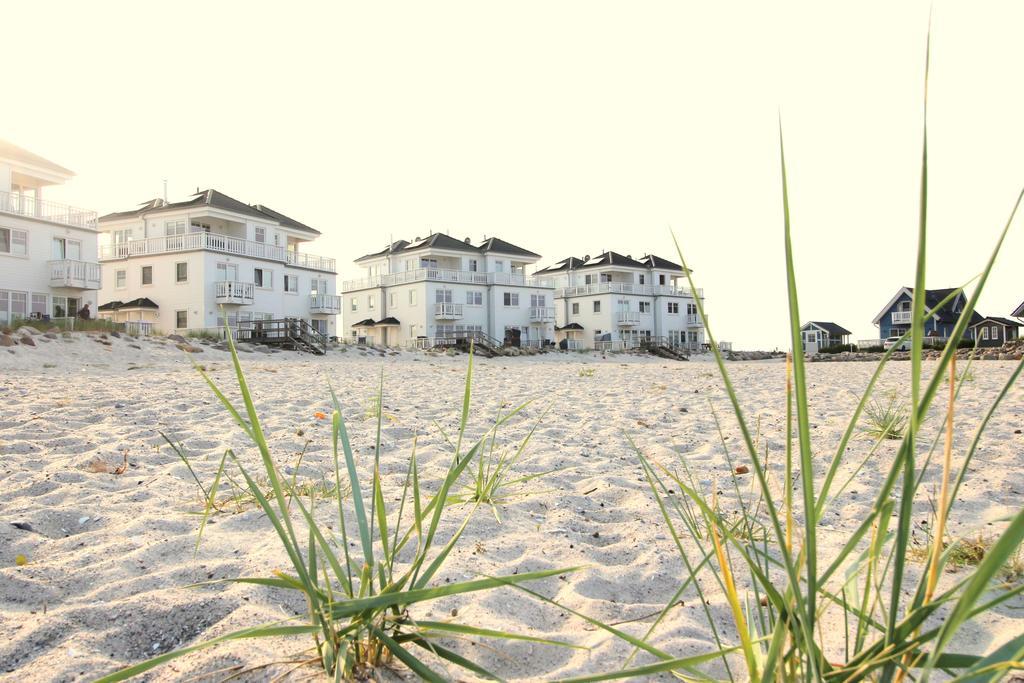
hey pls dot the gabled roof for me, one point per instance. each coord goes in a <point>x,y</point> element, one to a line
<point>285,220</point>
<point>364,323</point>
<point>1019,311</point>
<point>439,240</point>
<point>658,263</point>
<point>141,302</point>
<point>831,328</point>
<point>571,263</point>
<point>611,258</point>
<point>9,150</point>
<point>390,249</point>
<point>387,322</point>
<point>494,244</point>
<point>210,198</point>
<point>932,298</point>
<point>1005,322</point>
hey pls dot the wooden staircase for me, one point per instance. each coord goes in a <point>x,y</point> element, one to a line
<point>658,346</point>
<point>289,333</point>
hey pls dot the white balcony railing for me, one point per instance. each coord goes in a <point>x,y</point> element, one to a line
<point>627,288</point>
<point>234,292</point>
<point>542,314</point>
<point>901,317</point>
<point>628,317</point>
<point>573,344</point>
<point>693,320</point>
<point>26,205</point>
<point>325,303</point>
<point>471,277</point>
<point>447,311</point>
<point>74,274</point>
<point>213,241</point>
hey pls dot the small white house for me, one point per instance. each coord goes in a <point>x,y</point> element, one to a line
<point>193,265</point>
<point>48,264</point>
<point>615,302</point>
<point>438,290</point>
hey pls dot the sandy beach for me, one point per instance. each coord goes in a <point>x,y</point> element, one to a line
<point>111,556</point>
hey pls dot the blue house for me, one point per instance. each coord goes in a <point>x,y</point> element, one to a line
<point>894,319</point>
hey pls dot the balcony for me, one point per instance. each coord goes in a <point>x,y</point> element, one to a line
<point>693,320</point>
<point>329,304</point>
<point>74,274</point>
<point>901,317</point>
<point>212,241</point>
<point>627,318</point>
<point>441,275</point>
<point>448,311</point>
<point>542,314</point>
<point>627,288</point>
<point>25,205</point>
<point>234,292</point>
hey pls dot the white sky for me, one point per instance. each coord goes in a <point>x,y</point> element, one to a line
<point>565,127</point>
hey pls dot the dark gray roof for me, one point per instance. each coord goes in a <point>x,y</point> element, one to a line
<point>571,263</point>
<point>390,249</point>
<point>831,328</point>
<point>141,302</point>
<point>1006,322</point>
<point>285,220</point>
<point>384,322</point>
<point>211,198</point>
<point>658,263</point>
<point>1019,311</point>
<point>439,240</point>
<point>364,323</point>
<point>9,150</point>
<point>611,258</point>
<point>570,326</point>
<point>502,247</point>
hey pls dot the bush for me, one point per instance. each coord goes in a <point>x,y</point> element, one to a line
<point>838,348</point>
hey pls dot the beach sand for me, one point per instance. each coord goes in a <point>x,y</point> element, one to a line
<point>111,556</point>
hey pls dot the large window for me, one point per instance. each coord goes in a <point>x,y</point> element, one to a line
<point>181,272</point>
<point>261,234</point>
<point>181,319</point>
<point>120,279</point>
<point>317,285</point>
<point>263,278</point>
<point>645,306</point>
<point>13,242</point>
<point>174,228</point>
<point>597,307</point>
<point>147,275</point>
<point>511,298</point>
<point>673,307</point>
<point>38,304</point>
<point>474,298</point>
<point>291,284</point>
<point>66,249</point>
<point>538,300</point>
<point>227,272</point>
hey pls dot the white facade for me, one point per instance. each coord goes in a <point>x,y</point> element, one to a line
<point>439,289</point>
<point>209,259</point>
<point>48,258</point>
<point>615,302</point>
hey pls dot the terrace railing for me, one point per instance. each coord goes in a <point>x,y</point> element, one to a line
<point>542,314</point>
<point>234,292</point>
<point>212,241</point>
<point>447,311</point>
<point>902,316</point>
<point>627,288</point>
<point>325,303</point>
<point>54,212</point>
<point>443,275</point>
<point>74,274</point>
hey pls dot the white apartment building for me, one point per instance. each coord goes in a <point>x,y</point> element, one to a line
<point>432,291</point>
<point>192,265</point>
<point>615,302</point>
<point>48,265</point>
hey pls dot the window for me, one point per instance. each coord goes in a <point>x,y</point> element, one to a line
<point>645,306</point>
<point>181,319</point>
<point>291,284</point>
<point>391,300</point>
<point>354,303</point>
<point>172,228</point>
<point>995,332</point>
<point>39,304</point>
<point>575,309</point>
<point>673,307</point>
<point>511,298</point>
<point>472,265</point>
<point>661,279</point>
<point>597,307</point>
<point>121,236</point>
<point>317,285</point>
<point>227,272</point>
<point>428,263</point>
<point>412,297</point>
<point>199,227</point>
<point>538,301</point>
<point>475,298</point>
<point>588,279</point>
<point>181,272</point>
<point>261,234</point>
<point>59,306</point>
<point>499,266</point>
<point>371,302</point>
<point>984,333</point>
<point>120,279</point>
<point>13,242</point>
<point>147,275</point>
<point>442,296</point>
<point>263,278</point>
<point>643,278</point>
<point>606,277</point>
<point>65,249</point>
<point>19,304</point>
<point>691,309</point>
